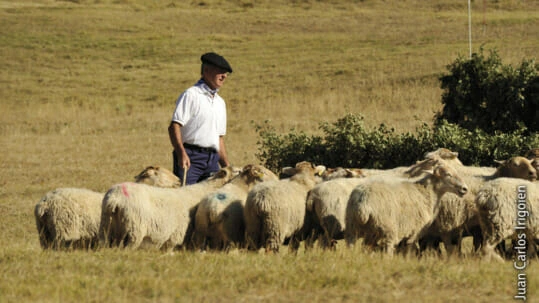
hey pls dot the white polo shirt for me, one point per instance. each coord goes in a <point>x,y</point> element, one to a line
<point>202,115</point>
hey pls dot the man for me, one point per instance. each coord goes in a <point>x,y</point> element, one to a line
<point>199,123</point>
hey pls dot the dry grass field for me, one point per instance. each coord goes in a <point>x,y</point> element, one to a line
<point>88,88</point>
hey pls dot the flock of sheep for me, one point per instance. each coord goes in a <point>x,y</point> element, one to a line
<point>405,210</point>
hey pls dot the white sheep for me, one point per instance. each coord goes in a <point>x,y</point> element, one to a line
<point>135,215</point>
<point>457,216</point>
<point>275,210</point>
<point>508,209</point>
<point>326,202</point>
<point>219,218</point>
<point>70,217</point>
<point>386,211</point>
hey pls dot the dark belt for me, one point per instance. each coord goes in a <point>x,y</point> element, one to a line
<point>199,148</point>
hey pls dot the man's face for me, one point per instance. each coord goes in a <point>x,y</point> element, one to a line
<point>214,76</point>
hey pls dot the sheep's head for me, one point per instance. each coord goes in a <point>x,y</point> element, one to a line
<point>533,154</point>
<point>310,168</point>
<point>340,172</point>
<point>303,167</point>
<point>517,167</point>
<point>158,176</point>
<point>252,173</point>
<point>225,174</point>
<point>423,166</point>
<point>444,154</point>
<point>450,181</point>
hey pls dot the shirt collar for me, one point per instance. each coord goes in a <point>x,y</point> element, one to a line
<point>206,88</point>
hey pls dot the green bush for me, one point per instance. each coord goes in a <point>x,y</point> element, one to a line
<point>490,112</point>
<point>481,92</point>
<point>348,143</point>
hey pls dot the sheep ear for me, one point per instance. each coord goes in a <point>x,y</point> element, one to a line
<point>500,162</point>
<point>436,172</point>
<point>246,168</point>
<point>428,172</point>
<point>354,173</point>
<point>288,171</point>
<point>319,170</point>
<point>143,174</point>
<point>421,167</point>
<point>439,171</point>
<point>223,172</point>
<point>351,173</point>
<point>257,172</point>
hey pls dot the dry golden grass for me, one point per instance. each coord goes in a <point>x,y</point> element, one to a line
<point>88,88</point>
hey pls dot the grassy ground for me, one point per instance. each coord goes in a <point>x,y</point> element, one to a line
<point>88,88</point>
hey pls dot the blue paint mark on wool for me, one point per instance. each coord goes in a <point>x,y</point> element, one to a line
<point>221,196</point>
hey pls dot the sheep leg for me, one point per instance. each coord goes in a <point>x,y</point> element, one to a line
<point>200,241</point>
<point>311,237</point>
<point>388,245</point>
<point>133,237</point>
<point>272,235</point>
<point>294,244</point>
<point>272,245</point>
<point>253,232</point>
<point>450,247</point>
<point>488,250</point>
<point>350,236</point>
<point>430,242</point>
<point>477,236</point>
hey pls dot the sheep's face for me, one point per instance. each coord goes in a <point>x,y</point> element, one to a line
<point>450,181</point>
<point>517,167</point>
<point>533,154</point>
<point>158,176</point>
<point>303,167</point>
<point>257,173</point>
<point>225,174</point>
<point>340,172</point>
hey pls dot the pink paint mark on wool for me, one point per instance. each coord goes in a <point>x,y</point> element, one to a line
<point>124,190</point>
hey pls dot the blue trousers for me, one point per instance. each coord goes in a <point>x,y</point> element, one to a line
<point>203,165</point>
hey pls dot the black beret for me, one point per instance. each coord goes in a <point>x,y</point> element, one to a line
<point>216,60</point>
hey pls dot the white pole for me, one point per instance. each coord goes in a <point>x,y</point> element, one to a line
<point>470,26</point>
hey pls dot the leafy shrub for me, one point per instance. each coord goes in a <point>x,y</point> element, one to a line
<point>348,143</point>
<point>481,92</point>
